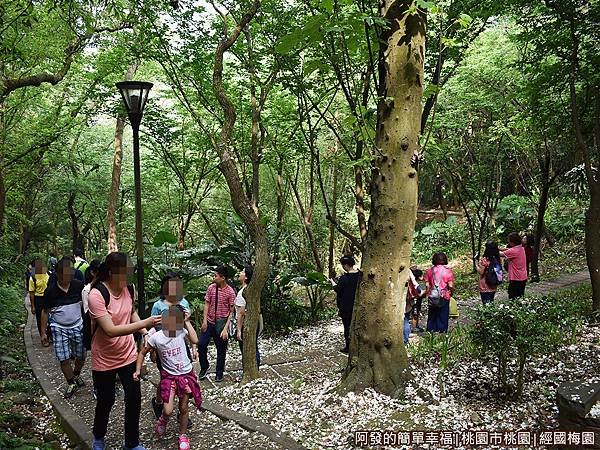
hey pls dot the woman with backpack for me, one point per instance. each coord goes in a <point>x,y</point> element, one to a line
<point>439,280</point>
<point>488,267</point>
<point>114,320</point>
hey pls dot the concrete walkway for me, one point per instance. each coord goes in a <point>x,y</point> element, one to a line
<point>216,426</point>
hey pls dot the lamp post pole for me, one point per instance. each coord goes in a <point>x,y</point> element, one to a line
<point>135,95</point>
<point>139,243</point>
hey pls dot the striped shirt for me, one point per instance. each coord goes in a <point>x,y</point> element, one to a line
<point>224,304</point>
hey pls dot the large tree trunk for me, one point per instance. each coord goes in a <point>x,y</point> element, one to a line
<point>241,203</point>
<point>115,185</point>
<point>592,217</point>
<point>377,355</point>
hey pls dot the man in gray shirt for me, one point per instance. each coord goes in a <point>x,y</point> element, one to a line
<point>62,308</point>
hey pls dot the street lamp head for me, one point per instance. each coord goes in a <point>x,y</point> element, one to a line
<point>135,95</point>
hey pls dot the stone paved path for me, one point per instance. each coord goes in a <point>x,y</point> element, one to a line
<point>209,431</point>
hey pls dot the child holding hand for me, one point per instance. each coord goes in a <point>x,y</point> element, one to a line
<point>177,377</point>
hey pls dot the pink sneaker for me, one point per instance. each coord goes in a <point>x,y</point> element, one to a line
<point>184,442</point>
<point>161,426</point>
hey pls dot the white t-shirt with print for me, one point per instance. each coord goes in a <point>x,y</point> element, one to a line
<point>172,352</point>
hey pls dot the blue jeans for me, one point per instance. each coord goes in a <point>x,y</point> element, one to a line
<point>487,297</point>
<point>211,333</point>
<point>406,328</point>
<point>437,318</point>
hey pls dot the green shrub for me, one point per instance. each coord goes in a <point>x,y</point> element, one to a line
<point>512,331</point>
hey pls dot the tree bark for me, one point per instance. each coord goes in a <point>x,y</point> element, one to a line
<point>241,203</point>
<point>592,216</point>
<point>377,356</point>
<point>541,212</point>
<point>115,185</point>
<point>2,202</point>
<point>306,218</point>
<point>334,194</point>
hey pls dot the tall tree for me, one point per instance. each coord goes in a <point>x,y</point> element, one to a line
<point>377,356</point>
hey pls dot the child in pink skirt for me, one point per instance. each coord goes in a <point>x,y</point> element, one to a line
<point>177,377</point>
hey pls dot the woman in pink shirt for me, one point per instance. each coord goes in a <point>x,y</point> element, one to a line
<point>114,321</point>
<point>517,266</point>
<point>439,275</point>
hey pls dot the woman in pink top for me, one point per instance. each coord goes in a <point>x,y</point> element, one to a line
<point>517,266</point>
<point>113,348</point>
<point>490,255</point>
<point>441,275</point>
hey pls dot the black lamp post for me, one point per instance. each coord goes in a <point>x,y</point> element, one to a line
<point>135,95</point>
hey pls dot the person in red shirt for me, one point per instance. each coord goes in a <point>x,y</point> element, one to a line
<point>517,266</point>
<point>218,309</point>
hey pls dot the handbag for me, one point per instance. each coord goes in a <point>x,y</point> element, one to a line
<point>453,308</point>
<point>219,323</point>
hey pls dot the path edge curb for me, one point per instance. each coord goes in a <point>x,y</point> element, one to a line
<point>73,426</point>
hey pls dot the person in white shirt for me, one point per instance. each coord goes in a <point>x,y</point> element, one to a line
<point>237,327</point>
<point>177,376</point>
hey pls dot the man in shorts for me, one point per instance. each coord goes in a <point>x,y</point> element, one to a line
<point>62,308</point>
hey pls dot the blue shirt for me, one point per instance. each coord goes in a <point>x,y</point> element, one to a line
<point>160,305</point>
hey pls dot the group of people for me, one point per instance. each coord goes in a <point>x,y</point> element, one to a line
<point>80,306</point>
<point>437,286</point>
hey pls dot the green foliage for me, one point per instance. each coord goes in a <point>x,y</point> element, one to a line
<point>514,213</point>
<point>447,236</point>
<point>448,349</point>
<point>565,218</point>
<point>511,332</point>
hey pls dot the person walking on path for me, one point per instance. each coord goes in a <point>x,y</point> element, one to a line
<point>114,350</point>
<point>38,283</point>
<point>177,377</point>
<point>418,274</point>
<point>237,328</point>
<point>517,266</point>
<point>439,280</point>
<point>62,309</point>
<point>345,288</point>
<point>171,294</point>
<point>218,309</point>
<point>90,276</point>
<point>80,263</point>
<point>491,258</point>
<point>413,294</point>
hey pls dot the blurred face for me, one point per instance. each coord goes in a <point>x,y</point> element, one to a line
<point>65,273</point>
<point>524,241</point>
<point>242,276</point>
<point>40,267</point>
<point>120,275</point>
<point>171,323</point>
<point>173,290</point>
<point>218,278</point>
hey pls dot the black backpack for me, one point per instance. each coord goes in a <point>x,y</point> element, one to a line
<point>88,333</point>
